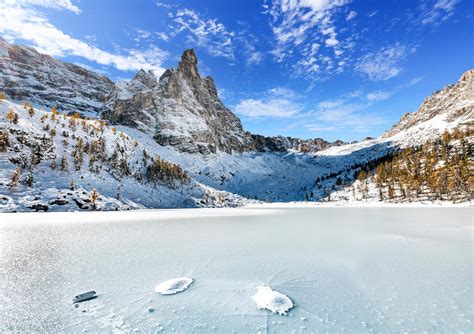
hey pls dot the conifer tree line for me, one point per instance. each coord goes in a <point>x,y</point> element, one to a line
<point>437,170</point>
<point>91,143</point>
<point>165,171</point>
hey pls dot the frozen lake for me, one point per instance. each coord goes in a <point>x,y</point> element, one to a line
<point>358,270</point>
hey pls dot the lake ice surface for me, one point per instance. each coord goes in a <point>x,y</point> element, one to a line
<point>357,270</point>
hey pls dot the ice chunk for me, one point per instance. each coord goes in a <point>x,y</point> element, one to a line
<point>266,298</point>
<point>174,285</point>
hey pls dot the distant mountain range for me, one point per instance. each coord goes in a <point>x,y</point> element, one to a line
<point>181,118</point>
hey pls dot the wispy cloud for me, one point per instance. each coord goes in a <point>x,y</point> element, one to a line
<point>278,102</point>
<point>384,64</point>
<point>344,114</point>
<point>23,20</point>
<point>435,12</point>
<point>205,32</point>
<point>352,14</point>
<point>306,30</point>
<point>55,4</point>
<point>379,95</point>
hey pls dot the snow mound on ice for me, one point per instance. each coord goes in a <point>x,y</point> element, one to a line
<point>266,298</point>
<point>174,285</point>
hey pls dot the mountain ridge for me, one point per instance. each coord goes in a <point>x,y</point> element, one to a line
<point>158,150</point>
<point>180,108</point>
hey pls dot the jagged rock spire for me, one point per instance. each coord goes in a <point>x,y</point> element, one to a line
<point>188,64</point>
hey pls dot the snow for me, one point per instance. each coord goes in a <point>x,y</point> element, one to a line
<point>217,180</point>
<point>174,285</point>
<point>356,270</point>
<point>274,301</point>
<point>116,193</point>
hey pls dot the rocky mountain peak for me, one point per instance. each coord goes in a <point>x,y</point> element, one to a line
<point>452,103</point>
<point>188,64</point>
<point>146,78</point>
<point>467,76</point>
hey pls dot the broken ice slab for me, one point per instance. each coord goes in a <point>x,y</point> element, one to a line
<point>84,296</point>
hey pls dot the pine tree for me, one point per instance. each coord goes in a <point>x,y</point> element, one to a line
<point>94,196</point>
<point>12,116</point>
<point>64,163</point>
<point>15,177</point>
<point>29,180</point>
<point>72,185</point>
<point>391,191</point>
<point>4,140</point>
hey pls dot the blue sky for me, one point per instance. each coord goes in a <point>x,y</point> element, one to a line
<point>336,69</point>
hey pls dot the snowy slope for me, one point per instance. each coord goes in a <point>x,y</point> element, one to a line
<point>31,139</point>
<point>180,118</point>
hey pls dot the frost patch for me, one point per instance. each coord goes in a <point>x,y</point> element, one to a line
<point>174,285</point>
<point>274,301</point>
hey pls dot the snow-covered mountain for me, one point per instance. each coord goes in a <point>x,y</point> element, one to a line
<point>170,142</point>
<point>180,109</point>
<point>183,110</point>
<point>26,74</point>
<point>452,104</point>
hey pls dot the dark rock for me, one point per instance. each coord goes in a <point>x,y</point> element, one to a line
<point>39,207</point>
<point>59,202</point>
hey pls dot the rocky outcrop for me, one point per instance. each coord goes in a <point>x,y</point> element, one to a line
<point>26,74</point>
<point>283,144</point>
<point>180,109</point>
<point>454,102</point>
<point>183,110</point>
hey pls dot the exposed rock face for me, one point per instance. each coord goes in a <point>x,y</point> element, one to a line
<point>184,110</point>
<point>133,103</point>
<point>455,102</point>
<point>283,144</point>
<point>26,74</point>
<point>181,109</point>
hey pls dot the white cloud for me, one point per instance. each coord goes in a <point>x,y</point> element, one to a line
<point>204,32</point>
<point>141,35</point>
<point>255,57</point>
<point>274,107</point>
<point>55,4</point>
<point>379,95</point>
<point>22,21</point>
<point>247,43</point>
<point>383,64</point>
<point>278,102</point>
<point>162,36</point>
<point>332,41</point>
<point>434,12</point>
<point>352,14</point>
<point>343,114</point>
<point>414,81</point>
<point>281,92</point>
<point>307,41</point>
<point>159,3</point>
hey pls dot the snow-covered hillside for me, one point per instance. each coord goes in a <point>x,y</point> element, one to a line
<point>50,161</point>
<point>53,159</point>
